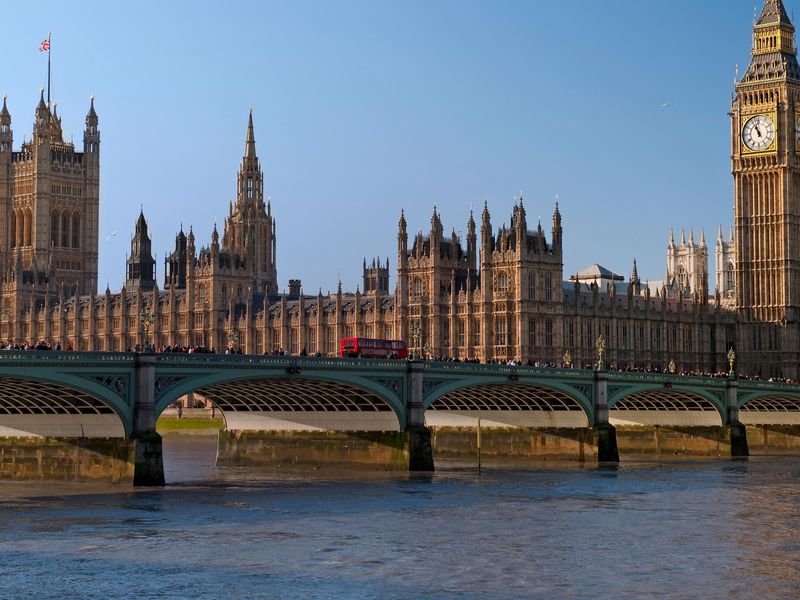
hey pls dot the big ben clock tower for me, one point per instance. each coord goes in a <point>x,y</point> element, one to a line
<point>766,168</point>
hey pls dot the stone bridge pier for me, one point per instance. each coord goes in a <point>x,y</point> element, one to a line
<point>607,451</point>
<point>149,463</point>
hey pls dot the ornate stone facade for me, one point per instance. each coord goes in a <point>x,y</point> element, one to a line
<point>498,295</point>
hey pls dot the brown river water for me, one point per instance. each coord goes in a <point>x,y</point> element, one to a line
<point>682,529</point>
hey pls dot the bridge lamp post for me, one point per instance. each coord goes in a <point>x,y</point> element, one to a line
<point>731,362</point>
<point>567,360</point>
<point>600,346</point>
<point>233,339</point>
<point>671,367</point>
<point>146,318</point>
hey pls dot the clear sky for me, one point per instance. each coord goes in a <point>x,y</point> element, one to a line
<point>618,107</point>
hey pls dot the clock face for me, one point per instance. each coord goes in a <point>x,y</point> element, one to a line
<point>758,133</point>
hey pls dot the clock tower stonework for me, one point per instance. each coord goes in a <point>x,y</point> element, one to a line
<point>765,119</point>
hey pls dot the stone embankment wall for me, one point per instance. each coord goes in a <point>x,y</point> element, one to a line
<point>383,451</point>
<point>109,460</point>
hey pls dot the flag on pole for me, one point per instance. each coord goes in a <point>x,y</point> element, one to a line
<point>45,45</point>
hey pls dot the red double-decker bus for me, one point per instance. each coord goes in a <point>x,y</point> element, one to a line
<point>368,348</point>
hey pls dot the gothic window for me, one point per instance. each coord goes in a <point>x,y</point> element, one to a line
<point>501,332</point>
<point>548,333</point>
<point>548,287</point>
<point>331,349</point>
<point>312,339</point>
<point>201,294</point>
<point>532,286</point>
<point>502,282</point>
<point>461,332</point>
<point>276,340</point>
<point>682,278</point>
<point>76,230</point>
<point>417,287</point>
<point>64,230</point>
<point>54,228</point>
<point>476,327</point>
<point>13,234</point>
<point>249,187</point>
<point>571,333</point>
<point>730,274</point>
<point>28,227</point>
<point>531,332</point>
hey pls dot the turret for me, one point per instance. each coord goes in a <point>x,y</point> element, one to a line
<point>141,275</point>
<point>91,135</point>
<point>557,230</point>
<point>486,234</point>
<point>41,124</point>
<point>472,244</point>
<point>635,283</point>
<point>6,135</point>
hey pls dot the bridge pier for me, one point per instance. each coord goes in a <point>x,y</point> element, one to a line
<point>148,463</point>
<point>607,450</point>
<point>738,431</point>
<point>420,445</point>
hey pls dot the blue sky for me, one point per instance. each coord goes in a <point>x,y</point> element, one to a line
<point>362,108</point>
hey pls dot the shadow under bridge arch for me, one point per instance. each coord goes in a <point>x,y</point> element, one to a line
<point>667,406</point>
<point>65,406</point>
<point>517,404</point>
<point>296,403</point>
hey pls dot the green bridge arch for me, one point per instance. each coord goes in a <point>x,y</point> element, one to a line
<point>463,383</point>
<point>195,383</point>
<point>626,391</point>
<point>121,407</point>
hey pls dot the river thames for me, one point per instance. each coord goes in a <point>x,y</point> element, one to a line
<point>711,529</point>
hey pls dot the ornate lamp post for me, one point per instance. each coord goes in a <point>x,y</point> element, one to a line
<point>416,333</point>
<point>567,360</point>
<point>600,346</point>
<point>671,367</point>
<point>731,362</point>
<point>233,339</point>
<point>146,319</point>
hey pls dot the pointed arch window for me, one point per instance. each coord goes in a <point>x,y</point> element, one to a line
<point>54,228</point>
<point>64,230</point>
<point>683,278</point>
<point>249,187</point>
<point>502,282</point>
<point>417,287</point>
<point>730,276</point>
<point>13,232</point>
<point>28,227</point>
<point>76,230</point>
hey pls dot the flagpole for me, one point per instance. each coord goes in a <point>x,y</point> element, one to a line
<point>48,68</point>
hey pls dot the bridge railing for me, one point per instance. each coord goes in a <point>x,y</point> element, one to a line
<point>37,357</point>
<point>633,376</point>
<point>258,360</point>
<point>454,368</point>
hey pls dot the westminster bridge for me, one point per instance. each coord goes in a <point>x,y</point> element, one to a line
<point>93,414</point>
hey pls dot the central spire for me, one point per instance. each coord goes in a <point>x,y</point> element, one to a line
<point>250,142</point>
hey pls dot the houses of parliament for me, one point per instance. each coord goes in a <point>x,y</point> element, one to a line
<point>499,294</point>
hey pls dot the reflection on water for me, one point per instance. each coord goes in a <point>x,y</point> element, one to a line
<point>677,529</point>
